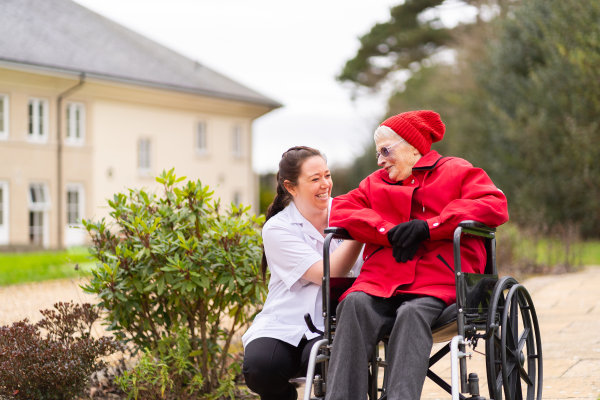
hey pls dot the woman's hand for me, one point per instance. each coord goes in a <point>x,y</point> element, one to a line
<point>406,238</point>
<point>340,262</point>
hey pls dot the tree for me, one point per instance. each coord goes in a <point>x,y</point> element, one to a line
<point>348,177</point>
<point>408,40</point>
<point>542,104</point>
<point>395,44</point>
<point>267,184</point>
<point>411,42</point>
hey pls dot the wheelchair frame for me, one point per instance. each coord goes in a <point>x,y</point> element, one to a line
<point>486,308</point>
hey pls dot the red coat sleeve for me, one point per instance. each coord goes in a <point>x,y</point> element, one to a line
<point>479,200</point>
<point>353,212</point>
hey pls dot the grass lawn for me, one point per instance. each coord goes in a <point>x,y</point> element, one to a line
<point>42,266</point>
<point>590,253</point>
<point>551,252</point>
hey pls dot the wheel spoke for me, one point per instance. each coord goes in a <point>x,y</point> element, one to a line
<point>525,376</point>
<point>523,339</point>
<point>514,322</point>
<point>499,382</point>
<point>517,384</point>
<point>509,367</point>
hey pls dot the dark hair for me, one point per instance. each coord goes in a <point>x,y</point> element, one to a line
<point>289,170</point>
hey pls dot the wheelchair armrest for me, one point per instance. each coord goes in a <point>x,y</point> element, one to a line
<point>338,233</point>
<point>477,228</point>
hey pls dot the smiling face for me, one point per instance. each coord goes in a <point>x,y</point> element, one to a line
<point>312,191</point>
<point>401,158</point>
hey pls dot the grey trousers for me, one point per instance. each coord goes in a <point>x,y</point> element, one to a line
<point>362,321</point>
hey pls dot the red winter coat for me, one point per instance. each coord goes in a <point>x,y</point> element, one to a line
<point>443,191</point>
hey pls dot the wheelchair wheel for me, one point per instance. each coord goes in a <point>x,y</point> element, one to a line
<point>493,342</point>
<point>514,350</point>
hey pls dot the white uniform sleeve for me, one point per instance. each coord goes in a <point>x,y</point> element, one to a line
<point>288,255</point>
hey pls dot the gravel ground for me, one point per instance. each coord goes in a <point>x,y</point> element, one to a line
<point>26,300</point>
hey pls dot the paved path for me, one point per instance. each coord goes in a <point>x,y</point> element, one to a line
<point>568,308</point>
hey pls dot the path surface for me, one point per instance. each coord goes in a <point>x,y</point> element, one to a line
<point>568,308</point>
<point>24,301</point>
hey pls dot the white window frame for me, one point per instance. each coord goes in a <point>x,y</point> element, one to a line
<point>237,143</point>
<point>75,208</point>
<point>39,203</point>
<point>201,138</point>
<point>37,125</point>
<point>74,232</point>
<point>4,215</point>
<point>144,155</point>
<point>4,116</point>
<point>75,117</point>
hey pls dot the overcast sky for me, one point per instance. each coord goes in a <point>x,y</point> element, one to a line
<point>287,50</point>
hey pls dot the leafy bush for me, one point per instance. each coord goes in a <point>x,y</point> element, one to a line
<point>175,261</point>
<point>150,378</point>
<point>54,358</point>
<point>167,373</point>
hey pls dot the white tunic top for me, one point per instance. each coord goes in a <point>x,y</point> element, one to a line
<point>292,245</point>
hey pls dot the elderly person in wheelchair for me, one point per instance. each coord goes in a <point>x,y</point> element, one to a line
<point>405,213</point>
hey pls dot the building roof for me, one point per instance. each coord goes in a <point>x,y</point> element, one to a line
<point>64,36</point>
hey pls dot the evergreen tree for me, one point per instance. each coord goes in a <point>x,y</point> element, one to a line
<point>542,91</point>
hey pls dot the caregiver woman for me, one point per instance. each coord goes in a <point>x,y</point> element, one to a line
<point>277,345</point>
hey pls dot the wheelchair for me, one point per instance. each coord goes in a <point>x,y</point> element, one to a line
<point>498,311</point>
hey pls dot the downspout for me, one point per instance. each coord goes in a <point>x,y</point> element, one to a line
<point>59,157</point>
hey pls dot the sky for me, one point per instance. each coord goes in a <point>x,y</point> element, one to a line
<point>290,51</point>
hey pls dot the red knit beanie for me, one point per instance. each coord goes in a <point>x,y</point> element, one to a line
<point>419,128</point>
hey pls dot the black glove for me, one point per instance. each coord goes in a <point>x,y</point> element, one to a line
<point>406,237</point>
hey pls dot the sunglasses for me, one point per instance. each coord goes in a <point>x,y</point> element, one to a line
<point>385,151</point>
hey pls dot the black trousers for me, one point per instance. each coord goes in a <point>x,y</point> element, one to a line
<point>270,363</point>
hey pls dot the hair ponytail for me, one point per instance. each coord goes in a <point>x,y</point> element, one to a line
<point>289,170</point>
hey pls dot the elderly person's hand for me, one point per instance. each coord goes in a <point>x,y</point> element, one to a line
<point>406,237</point>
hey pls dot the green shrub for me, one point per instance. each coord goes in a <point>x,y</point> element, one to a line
<point>175,261</point>
<point>53,359</point>
<point>149,378</point>
<point>167,373</point>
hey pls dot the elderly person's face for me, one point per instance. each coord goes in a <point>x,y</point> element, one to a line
<point>396,155</point>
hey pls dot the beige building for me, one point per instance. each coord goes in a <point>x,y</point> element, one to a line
<point>89,108</point>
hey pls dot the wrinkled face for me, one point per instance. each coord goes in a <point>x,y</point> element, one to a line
<point>312,192</point>
<point>400,159</point>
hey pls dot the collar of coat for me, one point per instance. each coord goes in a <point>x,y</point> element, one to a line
<point>428,162</point>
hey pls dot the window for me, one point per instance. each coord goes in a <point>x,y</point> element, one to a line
<point>75,123</point>
<point>74,204</point>
<point>236,140</point>
<point>201,139</point>
<point>3,212</point>
<point>3,116</point>
<point>38,120</point>
<point>74,233</point>
<point>39,204</point>
<point>144,155</point>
